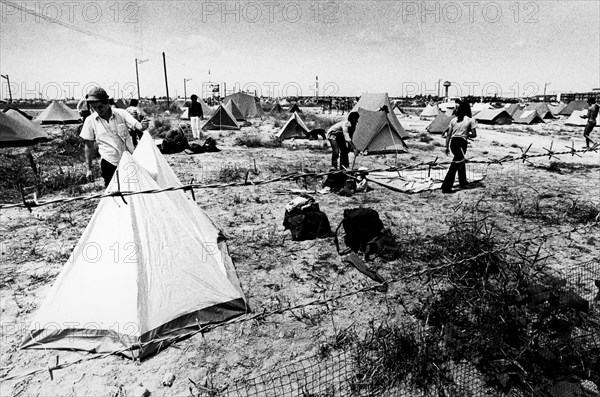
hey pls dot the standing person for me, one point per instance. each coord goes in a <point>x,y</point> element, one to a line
<point>109,127</point>
<point>83,108</point>
<point>591,116</point>
<point>137,114</point>
<point>461,128</point>
<point>195,116</point>
<point>340,137</point>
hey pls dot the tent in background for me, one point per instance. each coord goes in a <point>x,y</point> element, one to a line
<point>22,113</point>
<point>185,115</point>
<point>277,108</point>
<point>431,110</point>
<point>17,130</point>
<point>479,106</point>
<point>576,119</point>
<point>295,109</point>
<point>512,108</point>
<point>248,105</point>
<point>58,113</point>
<point>541,108</point>
<point>375,134</point>
<point>574,105</point>
<point>440,124</point>
<point>222,119</point>
<point>120,104</point>
<point>293,128</point>
<point>493,116</point>
<point>374,102</point>
<point>556,109</point>
<point>233,109</point>
<point>530,116</point>
<point>174,273</point>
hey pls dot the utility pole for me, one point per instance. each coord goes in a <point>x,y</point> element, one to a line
<point>317,87</point>
<point>184,89</point>
<point>166,81</point>
<point>545,85</point>
<point>137,77</point>
<point>9,91</point>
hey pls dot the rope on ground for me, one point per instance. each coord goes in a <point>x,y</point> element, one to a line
<point>423,165</point>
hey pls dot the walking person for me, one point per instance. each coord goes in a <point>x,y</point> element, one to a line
<point>591,116</point>
<point>195,116</point>
<point>461,129</point>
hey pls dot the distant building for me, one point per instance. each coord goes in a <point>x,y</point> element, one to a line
<point>579,96</point>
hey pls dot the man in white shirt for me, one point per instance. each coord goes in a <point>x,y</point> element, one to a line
<point>109,127</point>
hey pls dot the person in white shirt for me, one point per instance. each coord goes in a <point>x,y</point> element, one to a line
<point>340,138</point>
<point>462,127</point>
<point>109,127</point>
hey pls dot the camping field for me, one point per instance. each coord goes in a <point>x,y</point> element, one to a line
<point>528,222</point>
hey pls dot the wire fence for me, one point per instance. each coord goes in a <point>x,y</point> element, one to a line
<point>355,371</point>
<point>429,165</point>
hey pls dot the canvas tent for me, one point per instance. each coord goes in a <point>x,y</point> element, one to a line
<point>185,115</point>
<point>277,108</point>
<point>22,113</point>
<point>172,274</point>
<point>527,116</point>
<point>479,106</point>
<point>222,119</point>
<point>512,108</point>
<point>493,116</point>
<point>295,109</point>
<point>17,130</point>
<point>576,119</point>
<point>120,104</point>
<point>58,113</point>
<point>293,128</point>
<point>374,102</point>
<point>233,109</point>
<point>249,105</point>
<point>375,134</point>
<point>556,109</point>
<point>440,124</point>
<point>542,110</point>
<point>431,110</point>
<point>574,105</point>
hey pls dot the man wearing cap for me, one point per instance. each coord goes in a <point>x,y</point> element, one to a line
<point>110,128</point>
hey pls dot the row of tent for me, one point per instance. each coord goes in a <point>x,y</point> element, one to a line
<point>173,275</point>
<point>515,113</point>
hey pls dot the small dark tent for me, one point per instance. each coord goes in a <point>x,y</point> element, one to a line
<point>493,116</point>
<point>222,119</point>
<point>295,109</point>
<point>440,124</point>
<point>574,105</point>
<point>374,102</point>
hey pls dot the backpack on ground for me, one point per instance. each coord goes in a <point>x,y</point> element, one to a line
<point>305,220</point>
<point>364,232</point>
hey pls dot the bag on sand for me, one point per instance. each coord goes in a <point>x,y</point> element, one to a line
<point>305,220</point>
<point>364,232</point>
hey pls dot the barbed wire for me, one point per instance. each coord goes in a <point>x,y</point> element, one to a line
<point>525,156</point>
<point>264,313</point>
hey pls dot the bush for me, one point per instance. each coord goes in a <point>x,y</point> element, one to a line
<point>253,141</point>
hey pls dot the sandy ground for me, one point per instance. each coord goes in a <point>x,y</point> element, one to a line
<point>276,272</point>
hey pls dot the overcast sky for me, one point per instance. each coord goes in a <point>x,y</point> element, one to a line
<point>279,47</point>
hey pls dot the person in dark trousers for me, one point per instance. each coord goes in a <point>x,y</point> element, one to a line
<point>461,129</point>
<point>340,137</point>
<point>195,116</point>
<point>591,116</point>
